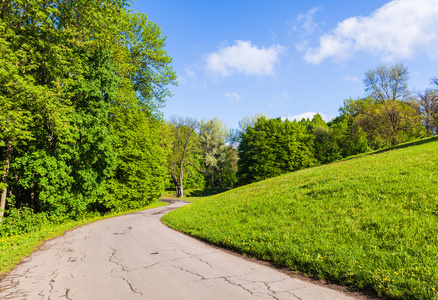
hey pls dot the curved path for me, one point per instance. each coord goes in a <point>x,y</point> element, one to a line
<point>135,256</point>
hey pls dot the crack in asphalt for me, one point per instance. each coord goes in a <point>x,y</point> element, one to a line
<point>52,281</point>
<point>241,286</point>
<point>295,295</point>
<point>114,259</point>
<point>162,254</point>
<point>227,279</point>
<point>270,289</point>
<point>66,294</point>
<point>130,286</point>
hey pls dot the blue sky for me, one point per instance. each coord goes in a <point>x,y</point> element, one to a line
<point>288,58</point>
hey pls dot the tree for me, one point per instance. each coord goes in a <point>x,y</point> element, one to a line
<point>145,72</point>
<point>212,136</point>
<point>183,142</point>
<point>428,106</point>
<point>15,91</point>
<point>337,139</point>
<point>50,44</point>
<point>147,64</point>
<point>387,83</point>
<point>392,114</point>
<point>228,168</point>
<point>141,170</point>
<point>250,121</point>
<point>273,147</point>
<point>81,85</point>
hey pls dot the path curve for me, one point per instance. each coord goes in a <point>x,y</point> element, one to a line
<point>135,256</point>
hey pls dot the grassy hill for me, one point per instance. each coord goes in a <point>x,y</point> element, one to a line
<point>370,222</point>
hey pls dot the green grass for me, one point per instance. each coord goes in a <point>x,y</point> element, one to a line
<point>191,193</point>
<point>370,223</point>
<point>14,248</point>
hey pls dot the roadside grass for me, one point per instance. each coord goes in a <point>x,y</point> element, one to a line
<point>14,248</point>
<point>191,193</point>
<point>370,223</point>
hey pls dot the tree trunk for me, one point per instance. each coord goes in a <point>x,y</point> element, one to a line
<point>212,177</point>
<point>5,178</point>
<point>177,189</point>
<point>220,178</point>
<point>181,188</point>
<point>32,192</point>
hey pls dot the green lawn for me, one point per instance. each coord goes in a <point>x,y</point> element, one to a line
<point>14,248</point>
<point>370,223</point>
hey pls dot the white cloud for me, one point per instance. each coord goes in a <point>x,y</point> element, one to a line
<point>307,115</point>
<point>190,72</point>
<point>351,78</point>
<point>234,96</point>
<point>305,22</point>
<point>399,29</point>
<point>243,57</point>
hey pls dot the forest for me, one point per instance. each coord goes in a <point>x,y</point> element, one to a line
<point>82,132</point>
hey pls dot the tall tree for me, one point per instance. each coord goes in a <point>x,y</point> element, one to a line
<point>428,106</point>
<point>16,90</point>
<point>81,85</point>
<point>392,115</point>
<point>183,141</point>
<point>145,73</point>
<point>212,136</point>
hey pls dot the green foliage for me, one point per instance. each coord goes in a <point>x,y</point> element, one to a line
<point>150,71</point>
<point>369,223</point>
<point>228,174</point>
<point>390,123</point>
<point>339,140</point>
<point>141,172</point>
<point>389,115</point>
<point>183,155</point>
<point>21,222</point>
<point>428,107</point>
<point>81,84</point>
<point>212,137</point>
<point>273,147</point>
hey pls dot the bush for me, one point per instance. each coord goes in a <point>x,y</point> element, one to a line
<point>22,221</point>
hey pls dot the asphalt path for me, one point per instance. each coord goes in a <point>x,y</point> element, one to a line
<point>135,256</point>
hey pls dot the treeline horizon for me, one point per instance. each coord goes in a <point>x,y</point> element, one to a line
<point>81,131</point>
<point>264,147</point>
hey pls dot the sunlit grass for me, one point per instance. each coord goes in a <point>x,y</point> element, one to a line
<point>14,248</point>
<point>370,223</point>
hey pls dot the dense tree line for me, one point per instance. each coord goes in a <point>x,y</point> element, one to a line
<point>390,114</point>
<point>81,85</point>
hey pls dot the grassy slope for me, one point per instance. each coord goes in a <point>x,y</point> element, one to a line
<point>14,248</point>
<point>370,222</point>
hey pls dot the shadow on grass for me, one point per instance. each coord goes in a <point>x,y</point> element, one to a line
<point>195,192</point>
<point>206,192</point>
<point>408,144</point>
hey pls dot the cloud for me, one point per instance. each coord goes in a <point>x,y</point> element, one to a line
<point>307,115</point>
<point>243,57</point>
<point>279,100</point>
<point>399,29</point>
<point>190,71</point>
<point>351,78</point>
<point>234,96</point>
<point>305,22</point>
